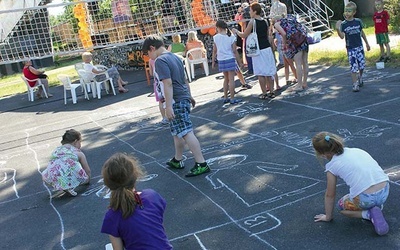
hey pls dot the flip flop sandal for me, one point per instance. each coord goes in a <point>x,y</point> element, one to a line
<point>123,90</point>
<point>227,100</point>
<point>263,96</point>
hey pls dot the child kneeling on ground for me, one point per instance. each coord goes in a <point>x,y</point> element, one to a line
<point>369,185</point>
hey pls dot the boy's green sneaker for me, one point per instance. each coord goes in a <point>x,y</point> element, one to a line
<point>173,163</point>
<point>198,170</point>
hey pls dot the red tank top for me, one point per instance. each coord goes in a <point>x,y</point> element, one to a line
<point>30,76</point>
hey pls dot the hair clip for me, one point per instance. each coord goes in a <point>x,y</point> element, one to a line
<point>327,138</point>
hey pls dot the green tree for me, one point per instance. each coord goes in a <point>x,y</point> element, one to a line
<point>337,6</point>
<point>393,7</point>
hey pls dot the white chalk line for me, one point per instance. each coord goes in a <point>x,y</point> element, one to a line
<point>121,140</point>
<point>346,114</point>
<point>252,134</point>
<point>48,191</point>
<point>200,243</point>
<point>14,185</point>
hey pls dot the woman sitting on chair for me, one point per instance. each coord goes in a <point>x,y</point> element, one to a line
<point>112,72</point>
<point>194,42</point>
<point>177,46</point>
<point>33,74</point>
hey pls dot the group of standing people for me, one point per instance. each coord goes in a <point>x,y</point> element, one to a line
<point>283,27</point>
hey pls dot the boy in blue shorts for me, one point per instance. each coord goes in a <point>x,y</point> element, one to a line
<point>351,29</point>
<point>178,100</point>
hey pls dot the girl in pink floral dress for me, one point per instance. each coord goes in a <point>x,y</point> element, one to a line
<point>68,167</point>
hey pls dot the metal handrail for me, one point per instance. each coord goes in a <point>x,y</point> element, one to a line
<point>320,13</point>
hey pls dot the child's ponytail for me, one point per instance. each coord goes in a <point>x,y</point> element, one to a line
<point>223,25</point>
<point>325,142</point>
<point>120,173</point>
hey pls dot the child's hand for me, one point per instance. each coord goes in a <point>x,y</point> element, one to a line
<point>320,217</point>
<point>193,102</point>
<point>338,23</point>
<point>169,113</point>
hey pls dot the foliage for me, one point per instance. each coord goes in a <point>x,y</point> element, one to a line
<point>393,7</point>
<point>337,7</point>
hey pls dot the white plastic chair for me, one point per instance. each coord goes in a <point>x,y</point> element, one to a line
<point>105,81</point>
<point>68,85</point>
<point>79,66</point>
<point>185,66</point>
<point>195,56</point>
<point>85,78</point>
<point>88,78</point>
<point>31,90</point>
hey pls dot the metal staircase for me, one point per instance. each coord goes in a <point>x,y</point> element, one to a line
<point>314,14</point>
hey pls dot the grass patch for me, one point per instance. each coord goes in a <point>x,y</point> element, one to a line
<point>13,84</point>
<point>339,57</point>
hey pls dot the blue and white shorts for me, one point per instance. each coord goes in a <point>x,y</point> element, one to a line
<point>181,125</point>
<point>356,59</point>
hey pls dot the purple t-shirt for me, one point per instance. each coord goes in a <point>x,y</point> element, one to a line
<point>144,228</point>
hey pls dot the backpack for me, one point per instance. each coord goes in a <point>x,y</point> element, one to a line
<point>296,33</point>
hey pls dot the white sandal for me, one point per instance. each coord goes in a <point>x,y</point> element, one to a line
<point>72,192</point>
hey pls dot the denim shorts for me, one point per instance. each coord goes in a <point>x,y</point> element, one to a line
<point>363,201</point>
<point>181,125</point>
<point>356,59</point>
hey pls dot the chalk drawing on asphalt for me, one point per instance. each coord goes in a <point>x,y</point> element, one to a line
<point>260,223</point>
<point>102,191</point>
<point>7,178</point>
<point>372,131</point>
<point>394,174</point>
<point>357,111</point>
<point>243,109</point>
<point>256,183</point>
<point>317,90</point>
<point>146,126</point>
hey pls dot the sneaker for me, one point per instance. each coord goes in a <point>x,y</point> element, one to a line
<point>57,194</point>
<point>198,170</point>
<point>246,86</point>
<point>360,81</point>
<point>175,164</point>
<point>280,66</point>
<point>356,88</point>
<point>71,192</point>
<point>381,59</point>
<point>164,121</point>
<point>271,95</point>
<point>379,222</point>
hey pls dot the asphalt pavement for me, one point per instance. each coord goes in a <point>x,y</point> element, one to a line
<point>265,186</point>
